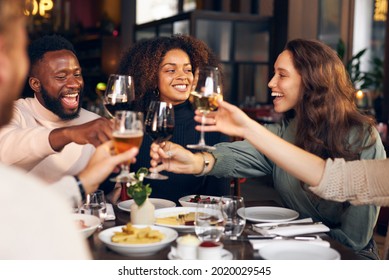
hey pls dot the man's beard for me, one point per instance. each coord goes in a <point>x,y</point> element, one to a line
<point>55,105</point>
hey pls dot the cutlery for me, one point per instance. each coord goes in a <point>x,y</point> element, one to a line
<point>277,237</point>
<point>285,225</point>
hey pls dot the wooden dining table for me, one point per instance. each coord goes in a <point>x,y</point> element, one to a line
<point>240,249</point>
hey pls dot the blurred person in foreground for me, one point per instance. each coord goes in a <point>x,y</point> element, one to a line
<point>311,86</point>
<point>163,69</point>
<point>38,220</point>
<point>50,135</point>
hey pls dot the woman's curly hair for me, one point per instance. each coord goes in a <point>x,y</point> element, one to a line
<point>326,112</point>
<point>142,61</point>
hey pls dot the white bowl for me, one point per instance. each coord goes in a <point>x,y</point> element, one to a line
<point>185,200</point>
<point>92,222</point>
<point>137,250</point>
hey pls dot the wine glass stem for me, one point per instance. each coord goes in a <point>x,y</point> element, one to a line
<point>125,169</point>
<point>202,141</point>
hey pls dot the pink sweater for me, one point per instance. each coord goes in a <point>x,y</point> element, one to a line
<point>24,142</point>
<point>360,182</point>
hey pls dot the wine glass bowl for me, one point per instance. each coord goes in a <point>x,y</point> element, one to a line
<point>95,205</point>
<point>204,97</point>
<point>209,221</point>
<point>234,216</point>
<point>119,94</point>
<point>159,125</point>
<point>127,134</point>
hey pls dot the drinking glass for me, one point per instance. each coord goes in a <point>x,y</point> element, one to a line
<point>234,216</point>
<point>127,134</point>
<point>95,205</point>
<point>119,94</point>
<point>159,125</point>
<point>204,96</point>
<point>209,221</point>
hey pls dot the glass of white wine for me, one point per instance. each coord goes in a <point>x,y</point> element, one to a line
<point>204,96</point>
<point>127,134</point>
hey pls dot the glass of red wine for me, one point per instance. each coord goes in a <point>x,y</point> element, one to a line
<point>159,125</point>
<point>119,94</point>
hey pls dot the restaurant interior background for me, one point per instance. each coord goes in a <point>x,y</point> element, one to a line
<point>247,35</point>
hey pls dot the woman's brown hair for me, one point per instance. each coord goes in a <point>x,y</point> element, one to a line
<point>326,113</point>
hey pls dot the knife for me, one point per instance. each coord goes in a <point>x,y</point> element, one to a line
<point>285,225</point>
<point>277,237</point>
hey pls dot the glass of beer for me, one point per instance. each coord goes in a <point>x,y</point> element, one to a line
<point>207,90</point>
<point>127,134</point>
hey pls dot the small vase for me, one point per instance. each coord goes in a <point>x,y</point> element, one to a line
<point>144,214</point>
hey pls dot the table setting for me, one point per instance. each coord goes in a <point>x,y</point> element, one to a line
<point>252,242</point>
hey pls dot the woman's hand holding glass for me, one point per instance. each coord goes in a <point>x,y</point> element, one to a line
<point>174,158</point>
<point>228,119</point>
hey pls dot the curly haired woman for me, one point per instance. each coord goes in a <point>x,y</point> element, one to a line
<point>163,70</point>
<point>311,86</point>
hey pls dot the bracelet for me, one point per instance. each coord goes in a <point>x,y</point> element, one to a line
<point>80,187</point>
<point>205,165</point>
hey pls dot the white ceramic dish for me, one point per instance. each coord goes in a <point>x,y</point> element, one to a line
<point>137,250</point>
<point>269,214</point>
<point>174,211</point>
<point>92,223</point>
<point>185,200</point>
<point>158,203</point>
<point>297,250</point>
<point>226,255</point>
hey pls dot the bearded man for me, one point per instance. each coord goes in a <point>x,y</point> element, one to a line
<point>50,135</point>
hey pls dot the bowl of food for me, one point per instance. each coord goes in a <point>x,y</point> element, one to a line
<point>137,240</point>
<point>87,224</point>
<point>191,200</point>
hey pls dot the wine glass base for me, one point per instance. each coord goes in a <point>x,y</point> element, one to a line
<point>201,147</point>
<point>156,176</point>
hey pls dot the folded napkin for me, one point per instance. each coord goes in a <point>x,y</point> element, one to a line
<point>110,213</point>
<point>259,243</point>
<point>297,227</point>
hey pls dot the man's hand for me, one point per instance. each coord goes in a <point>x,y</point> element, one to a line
<point>95,132</point>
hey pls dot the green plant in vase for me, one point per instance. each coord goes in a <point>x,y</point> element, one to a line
<point>137,190</point>
<point>142,211</point>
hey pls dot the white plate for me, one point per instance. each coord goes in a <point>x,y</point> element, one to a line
<point>92,222</point>
<point>158,203</point>
<point>173,211</point>
<point>137,250</point>
<point>226,255</point>
<point>184,201</point>
<point>297,250</point>
<point>268,214</point>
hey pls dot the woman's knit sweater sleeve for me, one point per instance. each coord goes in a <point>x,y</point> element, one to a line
<point>360,182</point>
